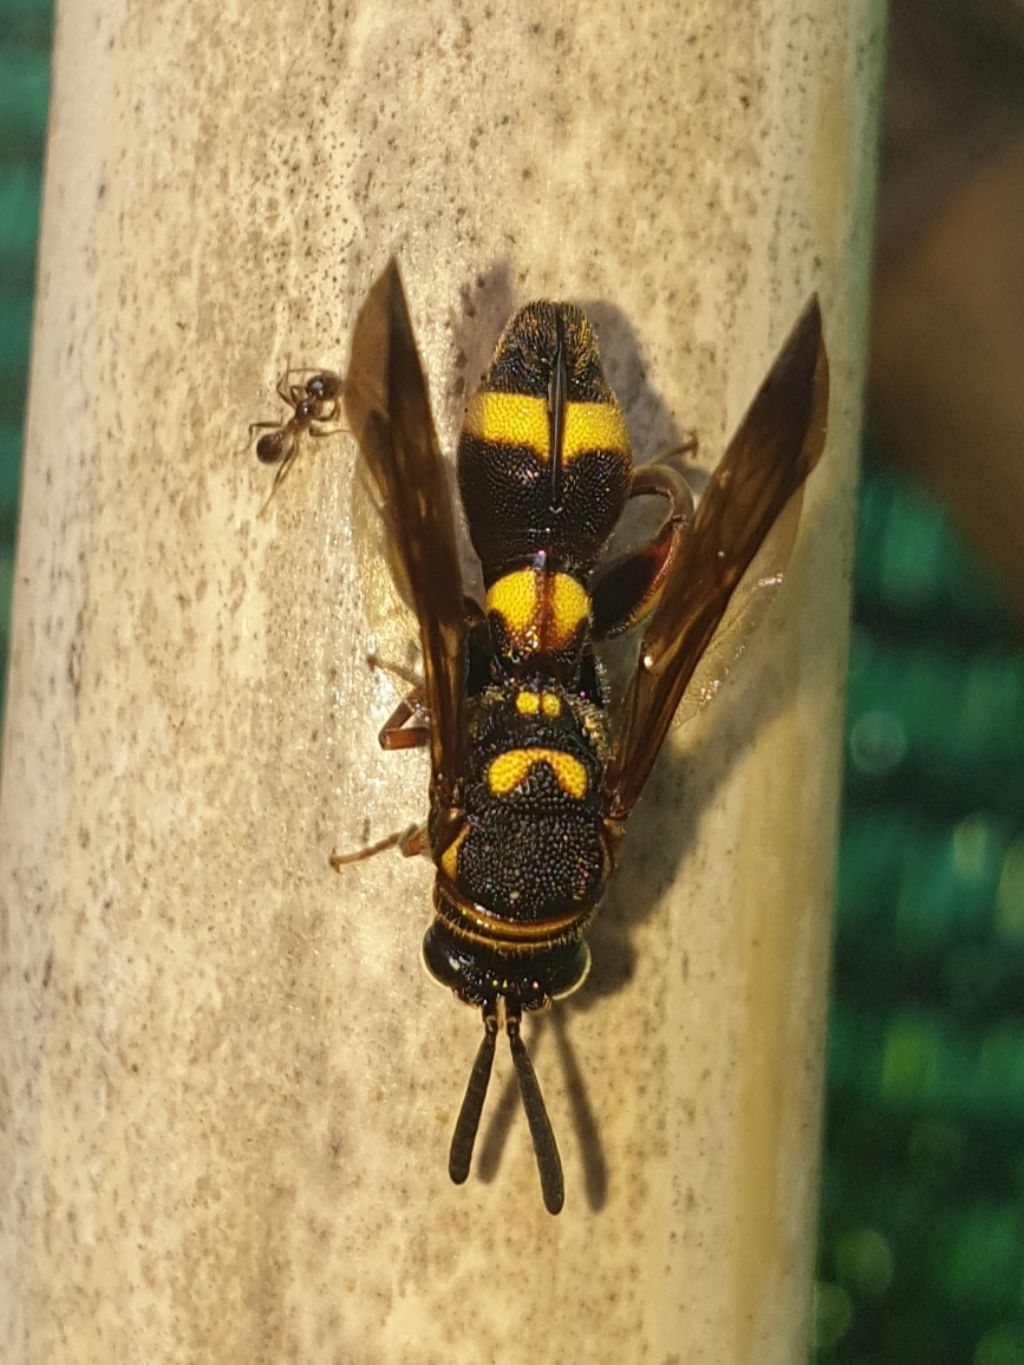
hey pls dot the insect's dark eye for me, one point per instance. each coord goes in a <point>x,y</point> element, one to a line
<point>323,387</point>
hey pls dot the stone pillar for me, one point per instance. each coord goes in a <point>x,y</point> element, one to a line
<point>228,1087</point>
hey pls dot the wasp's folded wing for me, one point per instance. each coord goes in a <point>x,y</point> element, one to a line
<point>388,408</point>
<point>777,445</point>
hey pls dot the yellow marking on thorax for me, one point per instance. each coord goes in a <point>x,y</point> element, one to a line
<point>510,769</point>
<point>450,857</point>
<point>515,419</point>
<point>540,611</point>
<point>532,703</point>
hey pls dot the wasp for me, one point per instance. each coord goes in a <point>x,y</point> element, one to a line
<point>533,771</point>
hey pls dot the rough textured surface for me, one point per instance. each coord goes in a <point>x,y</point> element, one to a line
<point>228,1087</point>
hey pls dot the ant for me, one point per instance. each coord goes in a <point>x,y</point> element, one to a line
<point>313,403</point>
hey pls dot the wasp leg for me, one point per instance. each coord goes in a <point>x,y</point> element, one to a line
<point>689,445</point>
<point>396,732</point>
<point>626,589</point>
<point>410,842</point>
<point>407,675</point>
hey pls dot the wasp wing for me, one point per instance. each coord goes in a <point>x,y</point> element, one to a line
<point>748,606</point>
<point>386,603</point>
<point>388,409</point>
<point>777,445</point>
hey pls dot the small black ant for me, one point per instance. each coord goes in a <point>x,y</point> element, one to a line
<point>314,404</point>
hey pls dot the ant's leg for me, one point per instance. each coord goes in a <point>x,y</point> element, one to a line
<point>303,373</point>
<point>626,589</point>
<point>263,426</point>
<point>287,391</point>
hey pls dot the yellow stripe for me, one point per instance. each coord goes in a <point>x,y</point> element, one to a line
<point>540,611</point>
<point>551,704</point>
<point>515,419</point>
<point>509,419</point>
<point>510,770</point>
<point>570,605</point>
<point>516,599</point>
<point>594,426</point>
<point>532,703</point>
<point>450,857</point>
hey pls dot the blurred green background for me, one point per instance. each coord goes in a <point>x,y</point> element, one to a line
<point>25,31</point>
<point>922,1236</point>
<point>921,1253</point>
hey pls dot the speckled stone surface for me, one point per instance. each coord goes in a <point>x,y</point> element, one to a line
<point>227,1086</point>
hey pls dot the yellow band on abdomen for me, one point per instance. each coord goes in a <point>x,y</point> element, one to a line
<point>516,419</point>
<point>511,419</point>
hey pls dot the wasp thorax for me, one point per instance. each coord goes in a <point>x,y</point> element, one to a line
<point>529,858</point>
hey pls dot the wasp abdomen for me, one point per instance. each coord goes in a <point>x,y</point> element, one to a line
<point>544,458</point>
<point>538,617</point>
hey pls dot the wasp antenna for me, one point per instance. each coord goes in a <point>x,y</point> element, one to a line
<point>468,1122</point>
<point>549,1163</point>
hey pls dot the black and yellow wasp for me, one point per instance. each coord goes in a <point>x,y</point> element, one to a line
<point>533,774</point>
